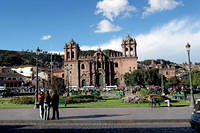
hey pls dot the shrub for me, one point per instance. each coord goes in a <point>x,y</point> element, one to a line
<point>22,100</point>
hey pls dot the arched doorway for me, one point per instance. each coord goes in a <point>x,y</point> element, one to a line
<point>99,79</point>
<point>117,81</point>
<point>101,83</point>
<point>84,82</point>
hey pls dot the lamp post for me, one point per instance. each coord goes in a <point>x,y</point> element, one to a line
<point>190,75</point>
<point>36,91</point>
<point>162,82</point>
<point>67,69</point>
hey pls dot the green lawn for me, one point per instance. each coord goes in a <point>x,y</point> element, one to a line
<point>117,103</point>
<point>109,103</point>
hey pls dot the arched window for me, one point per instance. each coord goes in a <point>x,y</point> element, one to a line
<point>72,54</point>
<point>67,54</point>
<point>82,66</point>
<point>129,69</point>
<point>131,51</point>
<point>98,64</point>
<point>116,64</point>
<point>126,51</point>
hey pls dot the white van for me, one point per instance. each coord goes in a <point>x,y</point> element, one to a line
<point>73,88</point>
<point>110,88</point>
<point>87,88</point>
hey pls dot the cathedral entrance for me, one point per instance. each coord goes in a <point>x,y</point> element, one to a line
<point>99,80</point>
<point>84,82</point>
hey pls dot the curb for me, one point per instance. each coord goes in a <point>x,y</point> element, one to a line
<point>47,122</point>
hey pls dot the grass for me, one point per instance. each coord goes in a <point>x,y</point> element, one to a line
<point>110,102</point>
<point>16,106</point>
<point>117,103</point>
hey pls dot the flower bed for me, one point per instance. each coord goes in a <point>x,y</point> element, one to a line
<point>22,100</point>
<point>82,99</point>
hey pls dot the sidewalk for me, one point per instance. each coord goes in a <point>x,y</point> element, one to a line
<point>109,115</point>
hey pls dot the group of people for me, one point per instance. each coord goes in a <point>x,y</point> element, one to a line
<point>46,101</point>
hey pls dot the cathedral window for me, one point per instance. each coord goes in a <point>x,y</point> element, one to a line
<point>67,54</point>
<point>116,64</point>
<point>82,66</point>
<point>72,54</point>
<point>129,69</point>
<point>98,64</point>
<point>131,51</point>
<point>126,51</point>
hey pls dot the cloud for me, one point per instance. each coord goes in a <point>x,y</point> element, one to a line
<point>46,37</point>
<point>106,26</point>
<point>56,52</point>
<point>164,42</point>
<point>168,41</point>
<point>113,8</point>
<point>160,5</point>
<point>114,44</point>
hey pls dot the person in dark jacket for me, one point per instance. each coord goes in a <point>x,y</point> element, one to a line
<point>47,101</point>
<point>55,104</point>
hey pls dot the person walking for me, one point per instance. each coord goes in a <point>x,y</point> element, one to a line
<point>41,103</point>
<point>55,104</point>
<point>47,100</point>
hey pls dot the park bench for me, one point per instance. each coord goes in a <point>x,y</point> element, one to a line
<point>119,93</point>
<point>155,100</point>
<point>76,93</point>
<point>95,93</point>
<point>178,96</point>
<point>62,101</point>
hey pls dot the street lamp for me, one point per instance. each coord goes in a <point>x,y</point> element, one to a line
<point>36,91</point>
<point>190,75</point>
<point>67,69</point>
<point>162,82</point>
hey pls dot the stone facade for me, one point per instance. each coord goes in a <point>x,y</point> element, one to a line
<point>99,69</point>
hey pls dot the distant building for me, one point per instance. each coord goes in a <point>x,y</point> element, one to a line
<point>99,69</point>
<point>169,71</point>
<point>11,80</point>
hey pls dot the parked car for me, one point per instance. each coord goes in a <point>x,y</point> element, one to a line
<point>195,119</point>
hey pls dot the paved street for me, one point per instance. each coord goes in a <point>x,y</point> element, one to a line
<point>100,127</point>
<point>107,120</point>
<point>141,113</point>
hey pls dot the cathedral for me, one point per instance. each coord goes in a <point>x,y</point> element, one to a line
<point>99,69</point>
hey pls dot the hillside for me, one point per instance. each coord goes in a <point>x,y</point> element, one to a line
<point>15,58</point>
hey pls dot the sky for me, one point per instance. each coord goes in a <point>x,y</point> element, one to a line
<point>161,28</point>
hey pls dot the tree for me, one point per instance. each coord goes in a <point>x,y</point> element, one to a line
<point>196,79</point>
<point>142,77</point>
<point>172,82</point>
<point>58,84</point>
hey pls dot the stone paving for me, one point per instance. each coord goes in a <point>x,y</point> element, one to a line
<point>141,113</point>
<point>106,120</point>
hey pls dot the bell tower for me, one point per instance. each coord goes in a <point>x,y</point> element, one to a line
<point>71,51</point>
<point>129,47</point>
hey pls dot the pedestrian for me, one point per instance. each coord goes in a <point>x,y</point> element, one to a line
<point>41,103</point>
<point>47,100</point>
<point>55,104</point>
